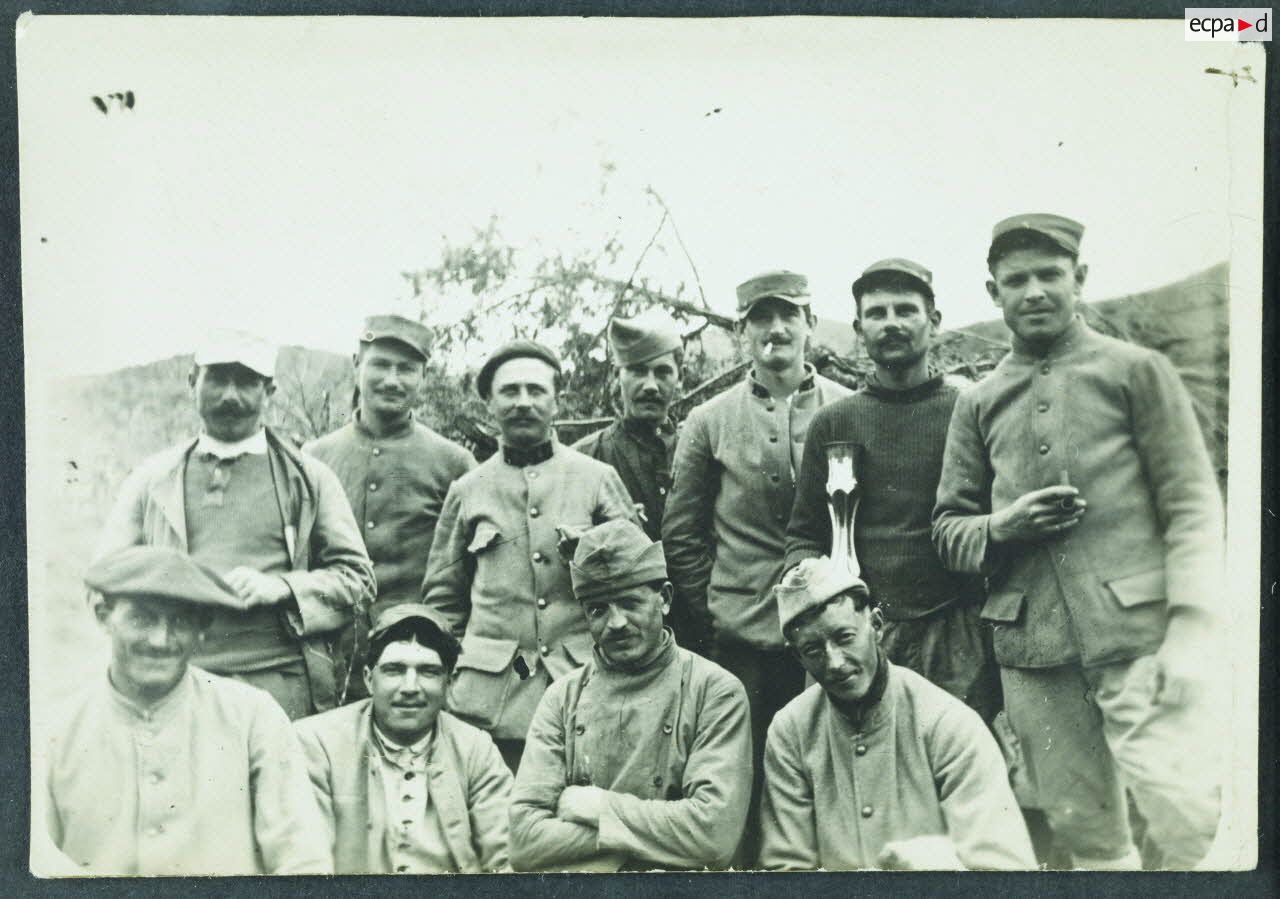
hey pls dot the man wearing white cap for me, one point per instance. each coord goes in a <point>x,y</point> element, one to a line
<point>161,768</point>
<point>641,759</point>
<point>274,523</point>
<point>874,766</point>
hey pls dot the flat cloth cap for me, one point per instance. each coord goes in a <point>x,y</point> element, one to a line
<point>615,556</point>
<point>388,617</point>
<point>159,573</point>
<point>516,349</point>
<point>404,331</point>
<point>812,583</point>
<point>897,265</point>
<point>645,337</point>
<point>782,284</point>
<point>1063,231</point>
<point>223,346</point>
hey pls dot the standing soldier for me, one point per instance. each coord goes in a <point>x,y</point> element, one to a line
<point>163,769</point>
<point>395,470</point>
<point>899,424</point>
<point>734,485</point>
<point>648,354</point>
<point>640,758</point>
<point>272,522</point>
<point>494,573</point>
<point>1077,481</point>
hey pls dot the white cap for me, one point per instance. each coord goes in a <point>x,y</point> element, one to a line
<point>223,346</point>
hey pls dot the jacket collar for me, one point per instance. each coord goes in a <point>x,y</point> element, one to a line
<point>1065,342</point>
<point>910,395</point>
<point>809,382</point>
<point>253,445</point>
<point>405,428</point>
<point>871,711</point>
<point>521,456</point>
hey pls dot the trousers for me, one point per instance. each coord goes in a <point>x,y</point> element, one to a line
<point>1089,733</point>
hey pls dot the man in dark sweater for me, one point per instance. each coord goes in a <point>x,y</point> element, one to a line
<point>899,424</point>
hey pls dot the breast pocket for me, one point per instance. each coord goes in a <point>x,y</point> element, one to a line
<point>483,679</point>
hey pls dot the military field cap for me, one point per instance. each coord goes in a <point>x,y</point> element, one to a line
<point>395,327</point>
<point>812,583</point>
<point>516,349</point>
<point>159,573</point>
<point>223,346</point>
<point>899,265</point>
<point>782,284</point>
<point>388,617</point>
<point>1063,231</point>
<point>615,556</point>
<point>647,336</point>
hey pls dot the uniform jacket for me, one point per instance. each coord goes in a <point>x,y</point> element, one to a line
<point>469,786</point>
<point>331,570</point>
<point>1116,419</point>
<point>396,486</point>
<point>671,744</point>
<point>921,763</point>
<point>211,780</point>
<point>497,577</point>
<point>643,461</point>
<point>724,530</point>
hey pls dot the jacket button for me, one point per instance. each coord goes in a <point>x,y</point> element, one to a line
<point>537,557</point>
<point>775,478</point>
<point>657,781</point>
<point>866,811</point>
<point>579,730</point>
<point>860,749</point>
<point>770,407</point>
<point>371,525</point>
<point>533,512</point>
<point>1044,369</point>
<point>662,491</point>
<point>666,728</point>
<point>545,650</point>
<point>533,476</point>
<point>1042,407</point>
<point>542,602</point>
<point>773,438</point>
<point>376,451</point>
<point>1044,449</point>
<point>373,485</point>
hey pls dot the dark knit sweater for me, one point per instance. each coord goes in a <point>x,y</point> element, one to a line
<point>903,434</point>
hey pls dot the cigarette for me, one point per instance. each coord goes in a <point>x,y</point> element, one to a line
<point>768,347</point>
<point>1067,502</point>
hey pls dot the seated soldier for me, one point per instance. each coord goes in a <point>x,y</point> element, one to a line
<point>874,766</point>
<point>165,769</point>
<point>403,786</point>
<point>642,758</point>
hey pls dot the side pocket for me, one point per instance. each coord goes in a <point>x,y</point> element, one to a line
<point>482,680</point>
<point>1004,606</point>
<point>1138,589</point>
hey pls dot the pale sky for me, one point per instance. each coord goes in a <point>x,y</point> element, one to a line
<point>279,174</point>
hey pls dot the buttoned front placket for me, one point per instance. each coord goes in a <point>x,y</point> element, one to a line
<point>162,778</point>
<point>539,561</point>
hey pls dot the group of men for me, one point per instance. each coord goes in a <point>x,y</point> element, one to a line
<point>595,658</point>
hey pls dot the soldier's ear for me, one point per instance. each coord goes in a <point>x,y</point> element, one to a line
<point>668,594</point>
<point>993,292</point>
<point>877,620</point>
<point>368,680</point>
<point>1082,271</point>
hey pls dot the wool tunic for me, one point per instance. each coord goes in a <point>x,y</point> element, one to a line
<point>919,763</point>
<point>671,744</point>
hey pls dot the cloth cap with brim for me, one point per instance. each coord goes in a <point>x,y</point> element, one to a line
<point>877,270</point>
<point>615,556</point>
<point>516,349</point>
<point>1064,232</point>
<point>782,285</point>
<point>224,346</point>
<point>645,337</point>
<point>159,573</point>
<point>404,331</point>
<point>810,584</point>
<point>386,618</point>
